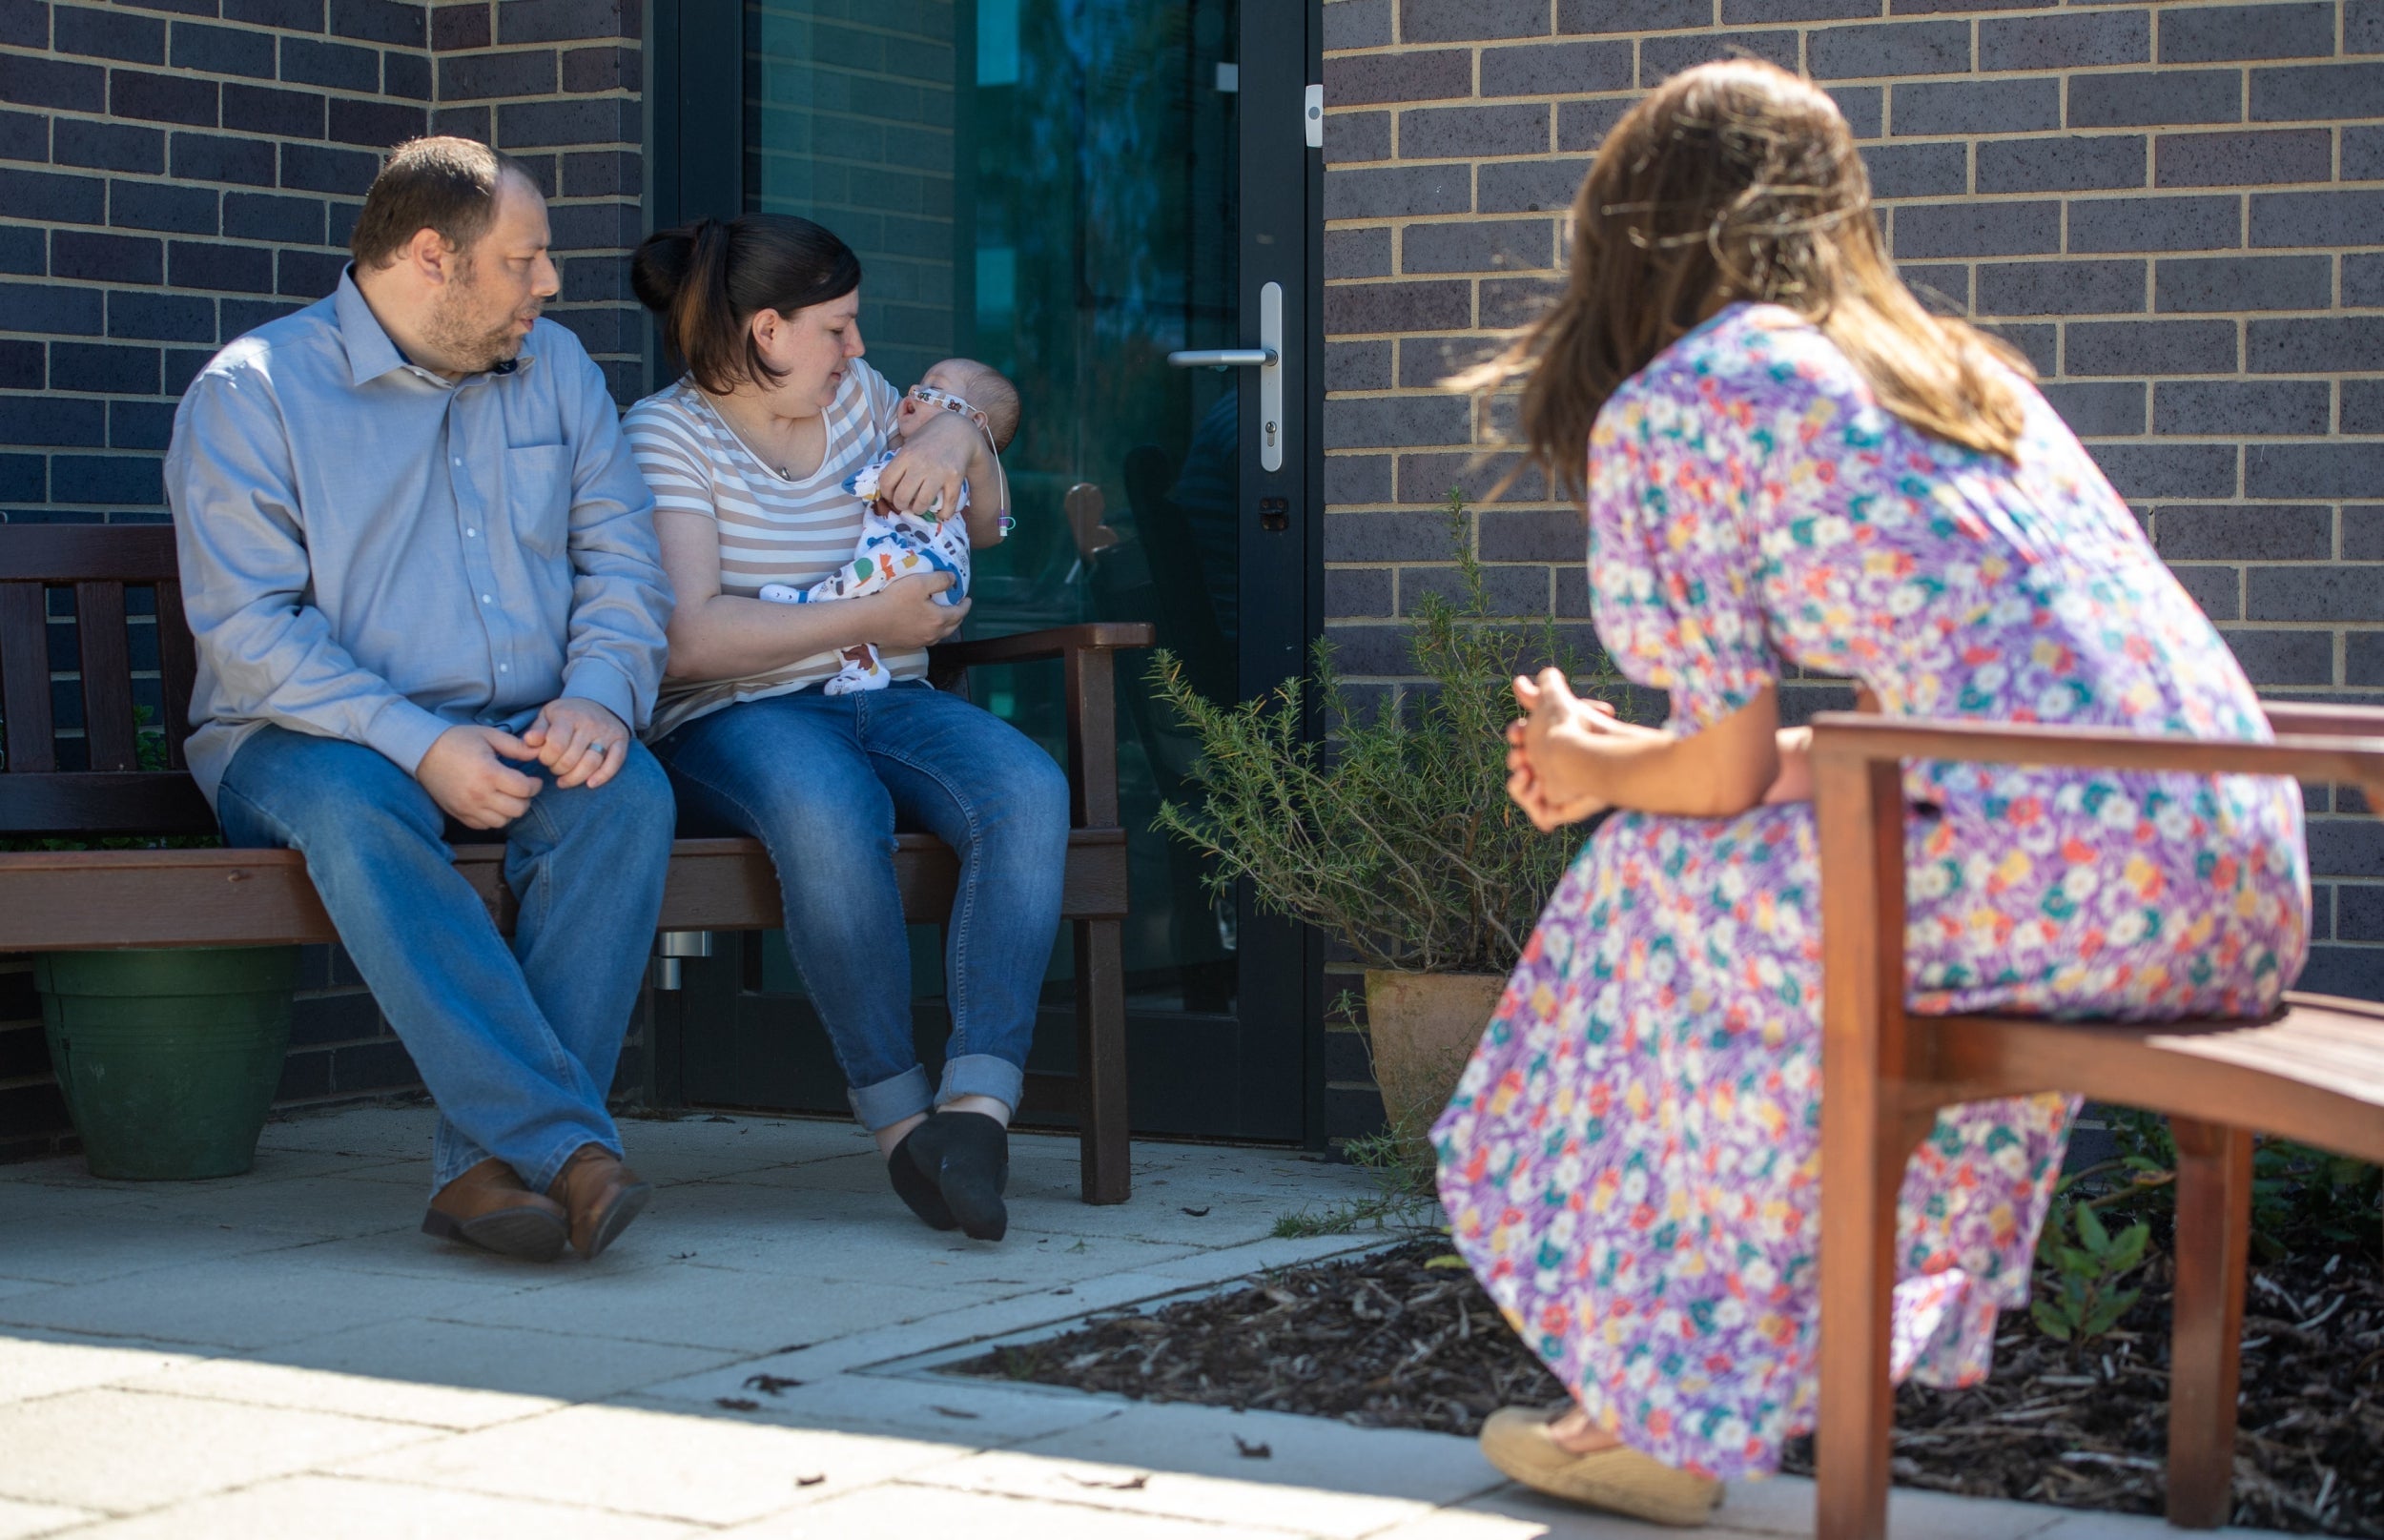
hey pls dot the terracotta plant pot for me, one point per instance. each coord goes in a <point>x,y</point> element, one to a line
<point>1422,1028</point>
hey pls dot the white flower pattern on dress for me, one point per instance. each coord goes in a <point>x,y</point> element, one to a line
<point>1632,1156</point>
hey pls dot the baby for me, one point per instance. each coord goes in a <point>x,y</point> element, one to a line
<point>895,544</point>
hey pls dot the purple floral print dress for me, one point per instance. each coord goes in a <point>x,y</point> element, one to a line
<point>1631,1161</point>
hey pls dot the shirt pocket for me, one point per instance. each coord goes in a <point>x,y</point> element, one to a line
<point>538,496</point>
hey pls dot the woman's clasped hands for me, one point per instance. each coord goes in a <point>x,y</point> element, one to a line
<point>1553,752</point>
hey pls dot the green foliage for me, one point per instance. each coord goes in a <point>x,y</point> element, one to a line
<point>2310,1199</point>
<point>1404,1193</point>
<point>2303,1200</point>
<point>2081,1299</point>
<point>1396,835</point>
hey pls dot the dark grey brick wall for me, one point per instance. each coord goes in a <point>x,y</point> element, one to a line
<point>173,172</point>
<point>2176,209</point>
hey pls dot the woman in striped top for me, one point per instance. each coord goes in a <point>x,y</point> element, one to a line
<point>747,454</point>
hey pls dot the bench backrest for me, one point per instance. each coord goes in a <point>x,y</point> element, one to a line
<point>95,672</point>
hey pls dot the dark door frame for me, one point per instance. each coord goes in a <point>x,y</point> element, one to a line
<point>695,167</point>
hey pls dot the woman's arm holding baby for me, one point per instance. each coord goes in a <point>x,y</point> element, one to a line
<point>934,460</point>
<point>714,635</point>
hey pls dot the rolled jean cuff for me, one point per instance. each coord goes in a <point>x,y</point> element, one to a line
<point>888,1102</point>
<point>982,1074</point>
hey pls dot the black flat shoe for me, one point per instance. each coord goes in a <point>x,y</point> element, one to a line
<point>967,1156</point>
<point>916,1187</point>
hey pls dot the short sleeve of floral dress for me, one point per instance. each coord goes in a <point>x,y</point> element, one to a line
<point>1675,571</point>
<point>1630,1160</point>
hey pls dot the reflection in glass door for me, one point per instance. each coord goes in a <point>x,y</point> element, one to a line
<point>1055,187</point>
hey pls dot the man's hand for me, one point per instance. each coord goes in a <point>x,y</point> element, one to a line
<point>931,463</point>
<point>579,741</point>
<point>463,775</point>
<point>906,613</point>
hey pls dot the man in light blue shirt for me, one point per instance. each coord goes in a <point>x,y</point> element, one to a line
<point>421,568</point>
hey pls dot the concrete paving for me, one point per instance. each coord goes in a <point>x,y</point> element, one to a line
<point>283,1355</point>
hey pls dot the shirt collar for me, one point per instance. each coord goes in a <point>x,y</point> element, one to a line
<point>372,353</point>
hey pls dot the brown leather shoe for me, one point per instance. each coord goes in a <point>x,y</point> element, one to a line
<point>488,1207</point>
<point>602,1195</point>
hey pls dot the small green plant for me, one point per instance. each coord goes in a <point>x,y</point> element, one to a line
<point>1395,835</point>
<point>1404,1196</point>
<point>2082,1300</point>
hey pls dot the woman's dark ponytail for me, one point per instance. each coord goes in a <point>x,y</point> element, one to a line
<point>705,281</point>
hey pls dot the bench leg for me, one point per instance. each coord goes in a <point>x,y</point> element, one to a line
<point>1863,1172</point>
<point>1101,1061</point>
<point>2205,1329</point>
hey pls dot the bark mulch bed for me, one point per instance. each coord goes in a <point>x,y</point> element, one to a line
<point>1391,1341</point>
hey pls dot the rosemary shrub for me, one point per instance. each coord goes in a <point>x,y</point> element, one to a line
<point>1395,834</point>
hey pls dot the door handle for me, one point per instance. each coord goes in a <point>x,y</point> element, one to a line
<point>1223,357</point>
<point>1267,358</point>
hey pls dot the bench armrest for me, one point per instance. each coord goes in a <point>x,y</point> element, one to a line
<point>2348,749</point>
<point>1084,653</point>
<point>1031,646</point>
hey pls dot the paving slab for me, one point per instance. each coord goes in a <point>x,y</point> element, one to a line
<point>696,1306</point>
<point>1783,1506</point>
<point>285,1355</point>
<point>121,1452</point>
<point>963,1415</point>
<point>89,1248</point>
<point>22,1198</point>
<point>440,1373</point>
<point>34,1364</point>
<point>397,1133</point>
<point>22,1521</point>
<point>314,1507</point>
<point>272,1165</point>
<point>326,1204</point>
<point>898,1511</point>
<point>658,1465</point>
<point>1263,1472</point>
<point>260,1300</point>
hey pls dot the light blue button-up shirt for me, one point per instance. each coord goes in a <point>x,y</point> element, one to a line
<point>371,552</point>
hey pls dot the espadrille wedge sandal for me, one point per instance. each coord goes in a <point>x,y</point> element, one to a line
<point>1618,1480</point>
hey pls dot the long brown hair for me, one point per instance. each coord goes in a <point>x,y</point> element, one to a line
<point>1738,180</point>
<point>706,281</point>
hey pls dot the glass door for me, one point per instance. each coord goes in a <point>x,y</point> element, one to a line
<point>1071,191</point>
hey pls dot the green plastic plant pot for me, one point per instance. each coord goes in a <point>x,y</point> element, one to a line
<point>168,1058</point>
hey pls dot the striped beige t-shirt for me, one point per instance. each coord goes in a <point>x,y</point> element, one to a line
<point>772,528</point>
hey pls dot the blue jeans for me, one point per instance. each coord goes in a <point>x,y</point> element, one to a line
<point>517,1043</point>
<point>823,781</point>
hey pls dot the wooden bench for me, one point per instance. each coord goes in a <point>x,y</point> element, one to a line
<point>88,899</point>
<point>2312,1072</point>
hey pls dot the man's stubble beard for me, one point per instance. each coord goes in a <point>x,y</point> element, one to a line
<point>458,335</point>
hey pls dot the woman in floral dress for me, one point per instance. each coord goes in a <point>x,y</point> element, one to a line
<point>1792,465</point>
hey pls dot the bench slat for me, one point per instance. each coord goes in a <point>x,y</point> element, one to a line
<point>84,900</point>
<point>2316,1072</point>
<point>178,662</point>
<point>123,802</point>
<point>107,735</point>
<point>25,677</point>
<point>88,553</point>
